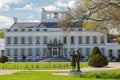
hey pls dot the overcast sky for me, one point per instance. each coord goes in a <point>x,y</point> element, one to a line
<point>28,10</point>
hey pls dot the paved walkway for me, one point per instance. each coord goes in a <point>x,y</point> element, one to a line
<point>112,65</point>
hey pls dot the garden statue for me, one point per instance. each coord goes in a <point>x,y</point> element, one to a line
<point>78,60</point>
<point>75,60</point>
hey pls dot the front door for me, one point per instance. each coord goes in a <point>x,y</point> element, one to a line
<point>55,52</point>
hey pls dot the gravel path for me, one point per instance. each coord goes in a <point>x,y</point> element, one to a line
<point>112,65</point>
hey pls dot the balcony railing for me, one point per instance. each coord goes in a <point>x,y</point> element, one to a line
<point>54,44</point>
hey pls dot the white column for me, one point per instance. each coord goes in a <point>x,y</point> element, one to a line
<point>19,52</point>
<point>34,52</point>
<point>42,41</point>
<point>41,52</point>
<point>12,52</point>
<point>76,40</point>
<point>68,39</point>
<point>84,52</point>
<point>33,40</point>
<point>19,40</point>
<point>98,40</point>
<point>61,38</point>
<point>26,52</point>
<point>91,40</point>
<point>12,40</point>
<point>84,39</point>
<point>115,52</point>
<point>26,40</point>
<point>68,53</point>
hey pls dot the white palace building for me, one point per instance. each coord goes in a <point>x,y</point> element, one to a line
<point>45,39</point>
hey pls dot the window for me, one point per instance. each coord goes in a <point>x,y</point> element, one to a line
<point>8,52</point>
<point>80,39</point>
<point>80,29</point>
<point>72,39</point>
<point>15,40</point>
<point>44,51</point>
<point>22,29</point>
<point>29,52</point>
<point>8,30</point>
<point>23,40</point>
<point>15,52</point>
<point>94,39</point>
<point>45,29</point>
<point>87,39</point>
<point>119,53</point>
<point>102,40</point>
<point>37,29</point>
<point>55,41</point>
<point>65,52</point>
<point>55,15</point>
<point>29,29</point>
<point>102,50</point>
<point>45,39</point>
<point>30,40</point>
<point>64,29</point>
<point>110,53</point>
<point>15,30</point>
<point>64,40</point>
<point>87,51</point>
<point>8,40</point>
<point>22,52</point>
<point>37,51</point>
<point>37,40</point>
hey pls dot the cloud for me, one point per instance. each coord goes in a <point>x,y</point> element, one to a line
<point>3,3</point>
<point>5,22</point>
<point>61,5</point>
<point>71,4</point>
<point>31,19</point>
<point>50,7</point>
<point>35,20</point>
<point>26,7</point>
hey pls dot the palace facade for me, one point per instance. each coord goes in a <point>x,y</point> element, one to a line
<point>40,40</point>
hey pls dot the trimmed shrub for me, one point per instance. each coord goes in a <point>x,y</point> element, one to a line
<point>23,58</point>
<point>96,59</point>
<point>3,59</point>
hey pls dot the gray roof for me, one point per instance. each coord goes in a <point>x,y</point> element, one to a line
<point>35,25</point>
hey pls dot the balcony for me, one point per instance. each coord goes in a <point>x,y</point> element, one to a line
<point>54,44</point>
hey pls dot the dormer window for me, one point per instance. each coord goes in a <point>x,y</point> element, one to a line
<point>56,15</point>
<point>15,30</point>
<point>30,30</point>
<point>22,29</point>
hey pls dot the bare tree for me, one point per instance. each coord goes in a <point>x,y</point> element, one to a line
<point>105,14</point>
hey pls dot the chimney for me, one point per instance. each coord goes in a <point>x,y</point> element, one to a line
<point>15,20</point>
<point>43,9</point>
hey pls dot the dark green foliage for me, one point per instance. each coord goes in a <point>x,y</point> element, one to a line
<point>95,51</point>
<point>23,58</point>
<point>99,75</point>
<point>3,59</point>
<point>118,59</point>
<point>96,59</point>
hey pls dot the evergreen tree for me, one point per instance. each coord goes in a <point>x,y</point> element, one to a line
<point>97,59</point>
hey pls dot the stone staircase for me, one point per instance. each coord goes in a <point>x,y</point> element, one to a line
<point>55,60</point>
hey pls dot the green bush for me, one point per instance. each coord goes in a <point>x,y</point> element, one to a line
<point>96,59</point>
<point>3,59</point>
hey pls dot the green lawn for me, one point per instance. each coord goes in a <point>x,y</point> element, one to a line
<point>49,76</point>
<point>38,65</point>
